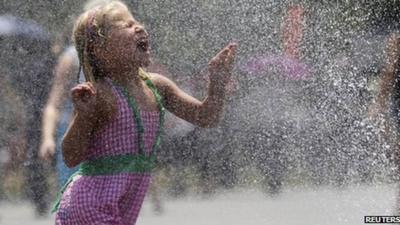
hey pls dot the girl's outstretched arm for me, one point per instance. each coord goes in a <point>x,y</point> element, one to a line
<point>204,113</point>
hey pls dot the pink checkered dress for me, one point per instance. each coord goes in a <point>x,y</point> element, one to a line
<point>111,199</point>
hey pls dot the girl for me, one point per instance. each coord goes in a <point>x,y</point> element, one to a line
<point>119,117</point>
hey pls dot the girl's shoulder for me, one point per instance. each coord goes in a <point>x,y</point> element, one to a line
<point>154,77</point>
<point>160,81</point>
<point>163,84</point>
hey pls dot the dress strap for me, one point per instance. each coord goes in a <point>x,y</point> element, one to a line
<point>136,116</point>
<point>160,105</point>
<point>136,113</point>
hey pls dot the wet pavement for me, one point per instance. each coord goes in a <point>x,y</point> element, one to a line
<point>322,206</point>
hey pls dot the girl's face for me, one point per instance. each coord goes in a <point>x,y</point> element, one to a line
<point>128,41</point>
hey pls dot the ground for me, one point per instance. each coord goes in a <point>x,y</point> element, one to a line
<point>320,206</point>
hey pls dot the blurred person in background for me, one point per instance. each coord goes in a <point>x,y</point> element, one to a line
<point>385,107</point>
<point>12,138</point>
<point>25,51</point>
<point>386,102</point>
<point>267,143</point>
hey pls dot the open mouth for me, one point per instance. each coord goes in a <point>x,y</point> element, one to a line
<point>143,44</point>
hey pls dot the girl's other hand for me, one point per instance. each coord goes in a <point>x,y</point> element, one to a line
<point>220,67</point>
<point>84,98</point>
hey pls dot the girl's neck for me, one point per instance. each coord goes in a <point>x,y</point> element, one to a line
<point>125,77</point>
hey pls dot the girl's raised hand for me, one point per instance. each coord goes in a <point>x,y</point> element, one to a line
<point>220,67</point>
<point>84,98</point>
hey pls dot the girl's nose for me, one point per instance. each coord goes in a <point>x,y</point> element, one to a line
<point>140,29</point>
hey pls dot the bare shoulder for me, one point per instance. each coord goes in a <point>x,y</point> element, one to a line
<point>159,79</point>
<point>68,61</point>
<point>161,82</point>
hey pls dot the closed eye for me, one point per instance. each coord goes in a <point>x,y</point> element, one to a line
<point>130,24</point>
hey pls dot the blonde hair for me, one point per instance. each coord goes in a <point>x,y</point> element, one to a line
<point>91,30</point>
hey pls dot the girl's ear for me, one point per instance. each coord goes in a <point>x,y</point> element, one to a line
<point>101,34</point>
